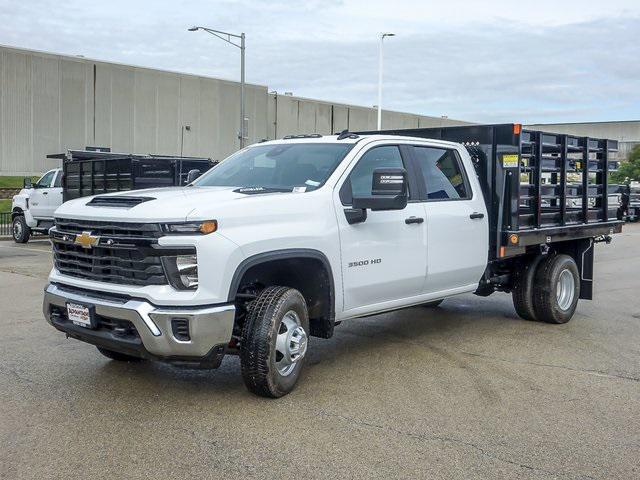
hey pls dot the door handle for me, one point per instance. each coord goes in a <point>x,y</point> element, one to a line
<point>411,220</point>
<point>45,193</point>
<point>475,215</point>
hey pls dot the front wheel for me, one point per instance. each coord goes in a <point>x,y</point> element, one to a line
<point>274,342</point>
<point>20,230</point>
<point>556,289</point>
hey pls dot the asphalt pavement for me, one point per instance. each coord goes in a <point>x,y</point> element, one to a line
<point>466,390</point>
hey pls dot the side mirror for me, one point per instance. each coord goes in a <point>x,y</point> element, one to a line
<point>192,175</point>
<point>389,191</point>
<point>27,183</point>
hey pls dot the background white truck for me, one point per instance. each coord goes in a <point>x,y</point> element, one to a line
<point>286,239</point>
<point>32,208</point>
<point>92,171</point>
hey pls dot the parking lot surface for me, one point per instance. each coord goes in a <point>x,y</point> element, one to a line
<point>466,390</point>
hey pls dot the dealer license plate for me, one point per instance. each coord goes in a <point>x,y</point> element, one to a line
<point>79,314</point>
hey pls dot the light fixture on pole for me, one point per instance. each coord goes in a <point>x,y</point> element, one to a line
<point>227,38</point>
<point>382,37</point>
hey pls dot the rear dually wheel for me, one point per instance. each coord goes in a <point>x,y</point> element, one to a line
<point>556,289</point>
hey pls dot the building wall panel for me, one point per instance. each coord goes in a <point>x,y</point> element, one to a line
<point>104,92</point>
<point>189,115</point>
<point>340,118</point>
<point>74,110</point>
<point>287,116</point>
<point>145,112</point>
<point>45,98</point>
<point>168,115</point>
<point>323,118</point>
<point>307,117</point>
<point>122,110</point>
<point>16,123</point>
<point>207,130</point>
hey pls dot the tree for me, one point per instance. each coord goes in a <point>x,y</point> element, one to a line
<point>630,168</point>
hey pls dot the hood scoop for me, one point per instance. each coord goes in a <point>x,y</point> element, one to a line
<point>118,201</point>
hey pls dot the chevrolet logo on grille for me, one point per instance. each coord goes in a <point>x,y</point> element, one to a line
<point>86,240</point>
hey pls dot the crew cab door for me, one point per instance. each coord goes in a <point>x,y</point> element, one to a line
<point>456,218</point>
<point>384,256</point>
<point>42,203</point>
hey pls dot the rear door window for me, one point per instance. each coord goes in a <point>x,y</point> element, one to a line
<point>442,172</point>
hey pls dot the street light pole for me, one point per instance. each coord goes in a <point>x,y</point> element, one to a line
<point>226,36</point>
<point>380,63</point>
<point>242,133</point>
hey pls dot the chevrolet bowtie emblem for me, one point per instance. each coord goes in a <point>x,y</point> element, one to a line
<point>86,240</point>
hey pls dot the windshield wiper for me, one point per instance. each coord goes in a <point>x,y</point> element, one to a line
<point>255,190</point>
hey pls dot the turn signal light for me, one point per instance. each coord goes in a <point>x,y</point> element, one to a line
<point>208,227</point>
<point>517,128</point>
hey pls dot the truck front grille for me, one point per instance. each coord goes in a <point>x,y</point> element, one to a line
<point>122,253</point>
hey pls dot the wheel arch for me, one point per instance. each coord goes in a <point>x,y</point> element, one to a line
<point>16,211</point>
<point>282,266</point>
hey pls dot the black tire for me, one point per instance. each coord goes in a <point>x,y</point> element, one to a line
<point>433,304</point>
<point>522,293</point>
<point>20,230</point>
<point>120,357</point>
<point>545,296</point>
<point>259,358</point>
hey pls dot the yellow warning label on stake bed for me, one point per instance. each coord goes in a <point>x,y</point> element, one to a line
<point>510,161</point>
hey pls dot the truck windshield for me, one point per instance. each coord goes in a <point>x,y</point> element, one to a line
<point>303,166</point>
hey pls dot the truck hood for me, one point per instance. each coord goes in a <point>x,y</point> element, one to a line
<point>24,192</point>
<point>176,204</point>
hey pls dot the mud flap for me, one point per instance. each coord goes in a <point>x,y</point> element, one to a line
<point>584,259</point>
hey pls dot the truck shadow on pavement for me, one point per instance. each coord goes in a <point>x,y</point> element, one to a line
<point>425,335</point>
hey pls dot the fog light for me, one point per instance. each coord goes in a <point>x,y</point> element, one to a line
<point>180,329</point>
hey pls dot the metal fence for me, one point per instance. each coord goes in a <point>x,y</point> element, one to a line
<point>5,224</point>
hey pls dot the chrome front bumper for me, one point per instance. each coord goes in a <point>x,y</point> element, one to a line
<point>210,328</point>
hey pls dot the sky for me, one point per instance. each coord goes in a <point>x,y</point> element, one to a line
<point>538,61</point>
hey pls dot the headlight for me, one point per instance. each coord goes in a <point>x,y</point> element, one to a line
<point>204,228</point>
<point>182,271</point>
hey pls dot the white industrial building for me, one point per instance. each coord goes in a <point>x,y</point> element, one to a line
<point>50,103</point>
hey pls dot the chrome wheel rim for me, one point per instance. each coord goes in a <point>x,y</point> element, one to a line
<point>291,344</point>
<point>565,290</point>
<point>17,229</point>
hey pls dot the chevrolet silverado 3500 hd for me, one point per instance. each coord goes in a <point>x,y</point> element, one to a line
<point>285,239</point>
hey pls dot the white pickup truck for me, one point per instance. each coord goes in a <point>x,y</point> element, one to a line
<point>286,239</point>
<point>32,208</point>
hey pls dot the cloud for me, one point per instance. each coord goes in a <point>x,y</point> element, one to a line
<point>562,61</point>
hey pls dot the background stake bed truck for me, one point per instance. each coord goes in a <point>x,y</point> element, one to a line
<point>87,172</point>
<point>285,239</point>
